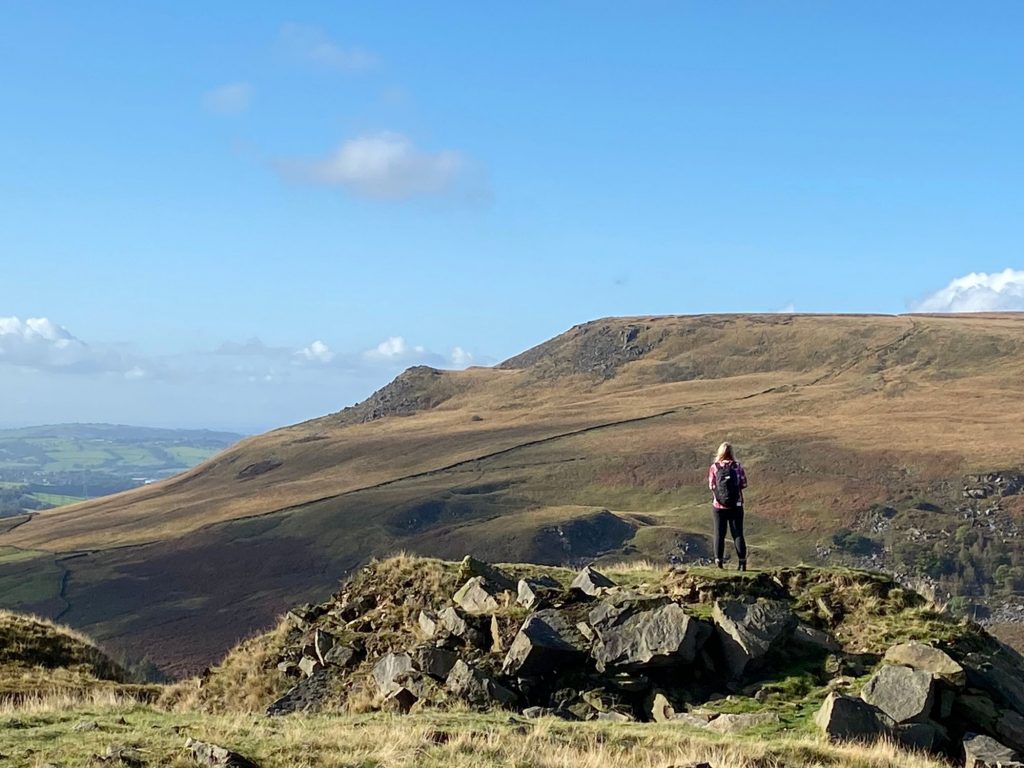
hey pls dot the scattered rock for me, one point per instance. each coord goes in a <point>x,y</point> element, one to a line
<point>392,672</point>
<point>477,688</point>
<point>613,717</point>
<point>1010,729</point>
<point>741,722</point>
<point>977,710</point>
<point>496,578</point>
<point>85,725</point>
<point>474,598</point>
<point>985,752</point>
<point>308,665</point>
<point>535,712</point>
<point>428,623</point>
<point>844,718</point>
<point>120,755</point>
<point>904,694</point>
<point>815,638</point>
<point>660,708</point>
<point>535,590</point>
<point>307,696</point>
<point>545,644</point>
<point>217,757</point>
<point>400,700</point>
<point>926,736</point>
<point>748,631</point>
<point>344,655</point>
<point>436,662</point>
<point>928,659</point>
<point>323,642</point>
<point>666,635</point>
<point>590,582</point>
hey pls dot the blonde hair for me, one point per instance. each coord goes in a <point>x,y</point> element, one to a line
<point>724,452</point>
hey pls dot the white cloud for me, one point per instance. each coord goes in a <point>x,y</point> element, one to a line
<point>317,352</point>
<point>229,99</point>
<point>311,44</point>
<point>388,166</point>
<point>460,358</point>
<point>42,344</point>
<point>394,348</point>
<point>978,292</point>
<point>788,309</point>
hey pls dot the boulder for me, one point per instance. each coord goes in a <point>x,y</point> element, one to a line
<point>323,642</point>
<point>534,590</point>
<point>535,712</point>
<point>308,665</point>
<point>590,583</point>
<point>392,672</point>
<point>976,710</point>
<point>927,659</point>
<point>344,655</point>
<point>476,688</point>
<point>307,696</point>
<point>1010,729</point>
<point>815,639</point>
<point>475,597</point>
<point>546,644</point>
<point>741,722</point>
<point>435,662</point>
<point>216,757</point>
<point>613,717</point>
<point>400,700</point>
<point>660,708</point>
<point>998,675</point>
<point>664,636</point>
<point>927,736</point>
<point>844,718</point>
<point>748,631</point>
<point>985,752</point>
<point>428,623</point>
<point>615,608</point>
<point>496,578</point>
<point>902,693</point>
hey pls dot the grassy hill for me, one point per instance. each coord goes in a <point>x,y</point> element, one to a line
<point>591,445</point>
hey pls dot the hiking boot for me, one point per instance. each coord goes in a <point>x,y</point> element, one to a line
<point>743,565</point>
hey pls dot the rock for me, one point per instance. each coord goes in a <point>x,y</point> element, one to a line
<point>474,598</point>
<point>323,642</point>
<point>927,659</point>
<point>535,712</point>
<point>615,608</point>
<point>904,694</point>
<point>497,646</point>
<point>997,675</point>
<point>613,717</point>
<point>289,668</point>
<point>748,631</point>
<point>85,725</point>
<point>926,737</point>
<point>534,590</point>
<point>545,645</point>
<point>690,720</point>
<point>308,665</point>
<point>664,636</point>
<point>392,672</point>
<point>944,704</point>
<point>977,710</point>
<point>477,688</point>
<point>844,718</point>
<point>121,755</point>
<point>400,700</point>
<point>742,722</point>
<point>590,582</point>
<point>436,662</point>
<point>660,708</point>
<point>470,567</point>
<point>815,639</point>
<point>428,623</point>
<point>307,696</point>
<point>217,757</point>
<point>344,655</point>
<point>985,752</point>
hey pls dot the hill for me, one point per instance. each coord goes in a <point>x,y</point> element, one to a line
<point>861,436</point>
<point>57,464</point>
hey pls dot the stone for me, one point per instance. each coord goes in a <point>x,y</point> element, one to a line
<point>436,662</point>
<point>85,725</point>
<point>470,567</point>
<point>121,755</point>
<point>613,717</point>
<point>927,659</point>
<point>660,708</point>
<point>590,583</point>
<point>815,639</point>
<point>535,712</point>
<point>742,722</point>
<point>690,720</point>
<point>532,591</point>
<point>615,608</point>
<point>925,737</point>
<point>662,637</point>
<point>1010,729</point>
<point>844,718</point>
<point>476,688</point>
<point>998,675</point>
<point>902,693</point>
<point>747,632</point>
<point>944,704</point>
<point>344,655</point>
<point>323,642</point>
<point>546,644</point>
<point>977,710</point>
<point>215,756</point>
<point>985,752</point>
<point>289,668</point>
<point>306,696</point>
<point>308,665</point>
<point>392,671</point>
<point>452,622</point>
<point>400,700</point>
<point>497,646</point>
<point>428,623</point>
<point>475,598</point>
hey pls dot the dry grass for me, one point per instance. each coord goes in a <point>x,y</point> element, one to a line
<point>43,734</point>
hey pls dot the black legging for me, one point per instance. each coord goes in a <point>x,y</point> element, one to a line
<point>734,518</point>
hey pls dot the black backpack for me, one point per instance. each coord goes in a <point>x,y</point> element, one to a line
<point>727,485</point>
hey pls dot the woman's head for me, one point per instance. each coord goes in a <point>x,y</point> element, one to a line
<point>725,453</point>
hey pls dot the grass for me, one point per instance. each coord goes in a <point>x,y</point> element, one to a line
<point>57,499</point>
<point>42,732</point>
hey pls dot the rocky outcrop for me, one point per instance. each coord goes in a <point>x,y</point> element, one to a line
<point>477,688</point>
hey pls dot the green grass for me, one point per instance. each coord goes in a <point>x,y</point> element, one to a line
<point>57,499</point>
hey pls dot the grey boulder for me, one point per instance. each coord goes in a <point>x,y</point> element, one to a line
<point>663,636</point>
<point>534,590</point>
<point>476,688</point>
<point>927,659</point>
<point>985,752</point>
<point>545,644</point>
<point>393,672</point>
<point>844,718</point>
<point>904,694</point>
<point>747,632</point>
<point>476,597</point>
<point>590,582</point>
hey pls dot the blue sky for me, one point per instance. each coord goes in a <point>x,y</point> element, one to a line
<point>243,216</point>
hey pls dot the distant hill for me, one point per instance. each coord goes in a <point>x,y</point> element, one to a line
<point>47,466</point>
<point>885,441</point>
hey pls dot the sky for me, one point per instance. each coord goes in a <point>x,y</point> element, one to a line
<point>241,216</point>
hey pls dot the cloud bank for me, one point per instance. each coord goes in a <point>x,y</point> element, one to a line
<point>39,343</point>
<point>387,166</point>
<point>978,292</point>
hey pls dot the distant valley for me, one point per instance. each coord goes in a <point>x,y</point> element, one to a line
<point>49,466</point>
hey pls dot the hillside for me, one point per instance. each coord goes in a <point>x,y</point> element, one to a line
<point>859,433</point>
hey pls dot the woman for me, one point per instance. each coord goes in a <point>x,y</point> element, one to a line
<point>726,479</point>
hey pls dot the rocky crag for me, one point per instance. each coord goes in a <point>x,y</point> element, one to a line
<point>849,654</point>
